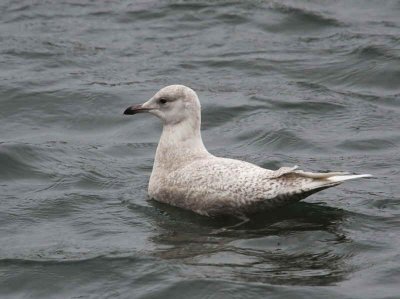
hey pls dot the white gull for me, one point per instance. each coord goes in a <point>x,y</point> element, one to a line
<point>186,175</point>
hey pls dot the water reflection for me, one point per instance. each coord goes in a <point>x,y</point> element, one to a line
<point>300,244</point>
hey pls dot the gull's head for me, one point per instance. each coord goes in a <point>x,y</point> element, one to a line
<point>172,104</point>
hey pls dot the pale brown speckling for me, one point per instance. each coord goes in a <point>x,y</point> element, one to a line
<point>186,175</point>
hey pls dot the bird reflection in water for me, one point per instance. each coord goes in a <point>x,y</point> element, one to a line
<point>302,244</point>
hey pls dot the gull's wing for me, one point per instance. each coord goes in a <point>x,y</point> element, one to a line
<point>227,186</point>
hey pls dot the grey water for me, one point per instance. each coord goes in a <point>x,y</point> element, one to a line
<point>282,83</point>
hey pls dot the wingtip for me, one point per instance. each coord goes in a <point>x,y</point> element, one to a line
<point>366,175</point>
<point>342,178</point>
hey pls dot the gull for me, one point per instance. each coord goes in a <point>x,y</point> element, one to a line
<point>186,175</point>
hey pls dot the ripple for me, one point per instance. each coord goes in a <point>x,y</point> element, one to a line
<point>21,161</point>
<point>132,16</point>
<point>215,116</point>
<point>277,140</point>
<point>370,144</point>
<point>375,52</point>
<point>299,20</point>
<point>308,107</point>
<point>306,15</point>
<point>258,66</point>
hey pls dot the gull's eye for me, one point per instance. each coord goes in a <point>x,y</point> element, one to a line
<point>163,100</point>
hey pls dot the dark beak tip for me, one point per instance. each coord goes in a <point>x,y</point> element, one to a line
<point>129,111</point>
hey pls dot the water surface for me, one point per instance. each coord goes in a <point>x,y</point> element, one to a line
<point>311,83</point>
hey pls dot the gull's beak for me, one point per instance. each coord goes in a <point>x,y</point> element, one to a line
<point>136,109</point>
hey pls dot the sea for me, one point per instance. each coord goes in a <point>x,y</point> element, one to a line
<point>311,83</point>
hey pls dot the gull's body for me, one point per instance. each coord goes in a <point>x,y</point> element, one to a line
<point>186,175</point>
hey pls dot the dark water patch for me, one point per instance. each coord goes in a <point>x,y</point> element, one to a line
<point>299,19</point>
<point>305,14</point>
<point>371,144</point>
<point>102,12</point>
<point>198,5</point>
<point>189,5</point>
<point>257,66</point>
<point>376,52</point>
<point>219,115</point>
<point>21,161</point>
<point>147,15</point>
<point>249,54</point>
<point>308,107</point>
<point>230,18</point>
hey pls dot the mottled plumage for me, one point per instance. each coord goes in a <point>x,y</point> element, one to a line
<point>186,175</point>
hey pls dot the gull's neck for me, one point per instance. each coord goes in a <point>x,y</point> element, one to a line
<point>180,144</point>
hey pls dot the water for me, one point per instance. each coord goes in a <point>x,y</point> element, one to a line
<point>313,83</point>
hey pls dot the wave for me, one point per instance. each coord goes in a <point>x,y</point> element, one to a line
<point>304,15</point>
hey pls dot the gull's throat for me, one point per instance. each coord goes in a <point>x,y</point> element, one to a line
<point>179,145</point>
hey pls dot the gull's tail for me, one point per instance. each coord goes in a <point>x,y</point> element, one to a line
<point>297,184</point>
